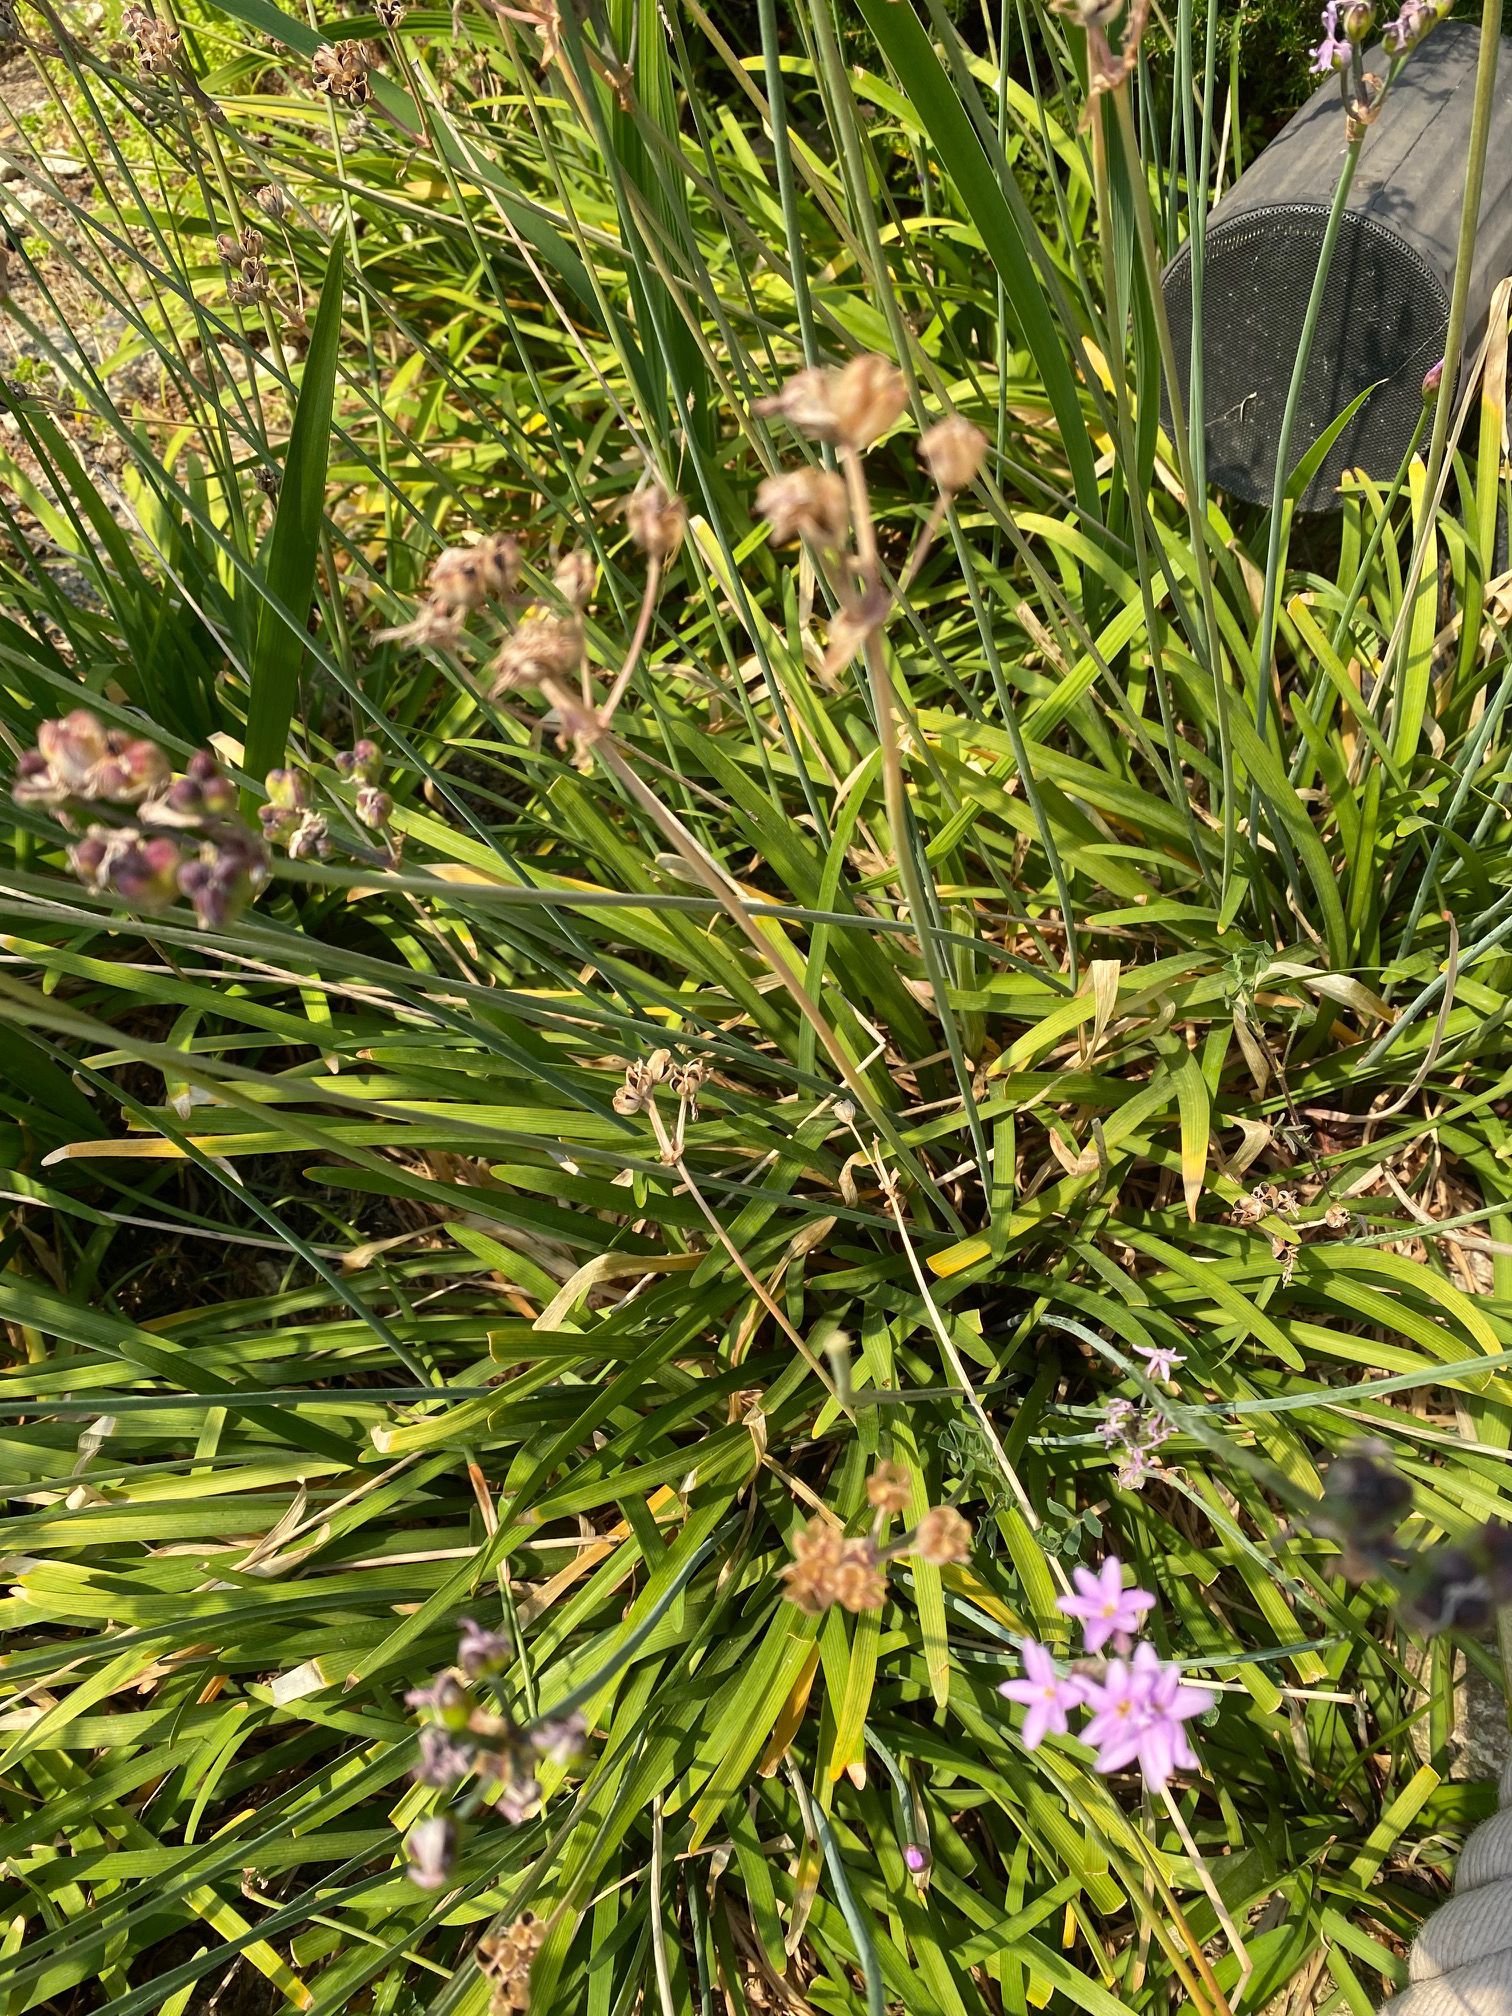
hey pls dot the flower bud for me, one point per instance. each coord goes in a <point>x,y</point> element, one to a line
<point>362,761</point>
<point>1358,19</point>
<point>89,857</point>
<point>807,504</point>
<point>144,874</point>
<point>34,783</point>
<point>952,450</point>
<point>481,1651</point>
<point>287,791</point>
<point>1433,378</point>
<point>138,771</point>
<point>657,521</point>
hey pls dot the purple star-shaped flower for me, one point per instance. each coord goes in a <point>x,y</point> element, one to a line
<point>1103,1605</point>
<point>1161,1360</point>
<point>1045,1693</point>
<point>1139,1708</point>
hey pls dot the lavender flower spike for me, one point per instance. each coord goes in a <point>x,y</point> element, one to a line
<point>1045,1694</point>
<point>1103,1605</point>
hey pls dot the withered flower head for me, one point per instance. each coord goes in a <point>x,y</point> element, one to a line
<point>942,1536</point>
<point>156,42</point>
<point>657,520</point>
<point>505,1958</point>
<point>541,647</point>
<point>466,577</point>
<point>953,450</point>
<point>828,1568</point>
<point>575,574</point>
<point>888,1488</point>
<point>868,396</point>
<point>806,504</point>
<point>340,70</point>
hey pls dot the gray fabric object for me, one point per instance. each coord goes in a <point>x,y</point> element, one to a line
<point>1461,1961</point>
<point>1386,305</point>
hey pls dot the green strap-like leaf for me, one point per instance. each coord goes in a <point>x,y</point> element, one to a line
<point>294,545</point>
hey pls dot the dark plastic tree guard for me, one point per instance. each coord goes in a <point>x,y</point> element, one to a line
<point>1386,307</point>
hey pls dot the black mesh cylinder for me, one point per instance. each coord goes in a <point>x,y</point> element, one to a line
<point>1386,307</point>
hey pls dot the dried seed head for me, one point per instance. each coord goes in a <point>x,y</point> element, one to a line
<point>340,70</point>
<point>505,1958</point>
<point>274,201</point>
<point>851,405</point>
<point>575,575</point>
<point>541,647</point>
<point>942,1536</point>
<point>868,396</point>
<point>889,1489</point>
<point>657,520</point>
<point>390,12</point>
<point>953,450</point>
<point>156,42</point>
<point>806,504</point>
<point>466,577</point>
<point>806,403</point>
<point>827,1568</point>
<point>246,288</point>
<point>374,808</point>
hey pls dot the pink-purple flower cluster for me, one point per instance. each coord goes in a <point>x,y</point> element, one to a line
<point>1137,1433</point>
<point>1138,1702</point>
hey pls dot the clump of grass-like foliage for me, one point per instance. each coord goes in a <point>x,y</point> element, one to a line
<point>700,965</point>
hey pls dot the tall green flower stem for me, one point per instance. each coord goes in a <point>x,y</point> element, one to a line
<point>1454,336</point>
<point>1265,645</point>
<point>1475,175</point>
<point>1196,501</point>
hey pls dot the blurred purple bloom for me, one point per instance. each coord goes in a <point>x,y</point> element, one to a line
<point>1103,1605</point>
<point>558,1738</point>
<point>915,1859</point>
<point>431,1848</point>
<point>520,1798</point>
<point>443,1760</point>
<point>1044,1693</point>
<point>1114,1425</point>
<point>480,1651</point>
<point>1334,51</point>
